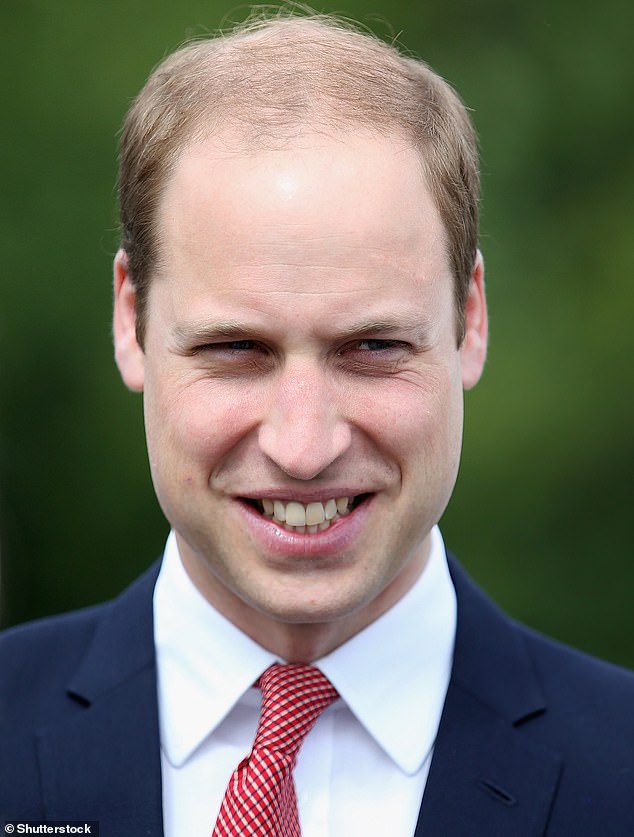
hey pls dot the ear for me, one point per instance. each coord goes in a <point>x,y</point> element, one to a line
<point>473,350</point>
<point>128,354</point>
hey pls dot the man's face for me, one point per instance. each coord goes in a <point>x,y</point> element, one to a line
<point>301,363</point>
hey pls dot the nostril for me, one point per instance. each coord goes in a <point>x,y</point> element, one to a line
<point>303,444</point>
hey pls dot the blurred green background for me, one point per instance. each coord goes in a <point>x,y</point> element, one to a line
<point>543,512</point>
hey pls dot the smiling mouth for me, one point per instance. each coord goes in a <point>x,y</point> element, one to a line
<point>305,518</point>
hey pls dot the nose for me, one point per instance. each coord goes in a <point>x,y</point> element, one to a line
<point>304,430</point>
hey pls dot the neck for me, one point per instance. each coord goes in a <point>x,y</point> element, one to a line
<point>292,639</point>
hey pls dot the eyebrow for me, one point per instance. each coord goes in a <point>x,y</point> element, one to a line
<point>389,326</point>
<point>187,334</point>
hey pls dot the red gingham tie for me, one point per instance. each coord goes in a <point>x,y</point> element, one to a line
<point>260,798</point>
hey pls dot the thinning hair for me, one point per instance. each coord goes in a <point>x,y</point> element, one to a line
<point>273,78</point>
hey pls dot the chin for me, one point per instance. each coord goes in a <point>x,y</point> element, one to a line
<point>319,607</point>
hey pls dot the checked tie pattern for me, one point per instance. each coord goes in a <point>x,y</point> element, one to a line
<point>260,798</point>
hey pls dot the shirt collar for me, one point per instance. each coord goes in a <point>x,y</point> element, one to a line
<point>205,664</point>
<point>412,644</point>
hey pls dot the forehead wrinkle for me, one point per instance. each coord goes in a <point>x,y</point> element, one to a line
<point>276,245</point>
<point>293,281</point>
<point>294,277</point>
<point>336,255</point>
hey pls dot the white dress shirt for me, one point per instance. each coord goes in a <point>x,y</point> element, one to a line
<point>362,769</point>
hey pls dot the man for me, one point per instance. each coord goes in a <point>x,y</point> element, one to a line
<point>300,298</point>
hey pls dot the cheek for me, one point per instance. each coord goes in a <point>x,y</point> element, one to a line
<point>196,423</point>
<point>416,418</point>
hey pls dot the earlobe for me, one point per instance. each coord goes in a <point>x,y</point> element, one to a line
<point>128,354</point>
<point>474,346</point>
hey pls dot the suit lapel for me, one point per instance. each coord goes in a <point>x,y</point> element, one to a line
<point>486,776</point>
<point>484,781</point>
<point>107,752</point>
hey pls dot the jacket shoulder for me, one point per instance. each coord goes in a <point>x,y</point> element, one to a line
<point>76,692</point>
<point>40,660</point>
<point>587,687</point>
<point>37,659</point>
<point>523,699</point>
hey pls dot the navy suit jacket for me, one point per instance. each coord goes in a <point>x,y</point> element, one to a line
<point>535,738</point>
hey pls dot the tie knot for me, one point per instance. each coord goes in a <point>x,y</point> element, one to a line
<point>293,697</point>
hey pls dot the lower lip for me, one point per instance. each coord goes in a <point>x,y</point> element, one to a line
<point>277,541</point>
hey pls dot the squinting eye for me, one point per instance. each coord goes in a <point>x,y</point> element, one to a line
<point>239,345</point>
<point>229,346</point>
<point>233,358</point>
<point>378,345</point>
<point>374,357</point>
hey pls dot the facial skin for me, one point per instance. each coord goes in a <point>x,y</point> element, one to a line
<point>301,346</point>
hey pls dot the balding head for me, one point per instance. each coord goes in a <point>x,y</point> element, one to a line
<point>267,83</point>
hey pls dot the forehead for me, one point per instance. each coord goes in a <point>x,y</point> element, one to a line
<point>312,180</point>
<point>345,214</point>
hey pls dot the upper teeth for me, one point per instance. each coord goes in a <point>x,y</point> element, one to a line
<point>310,514</point>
